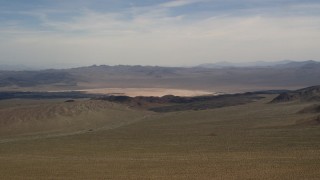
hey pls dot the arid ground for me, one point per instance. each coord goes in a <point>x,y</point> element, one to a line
<point>94,139</point>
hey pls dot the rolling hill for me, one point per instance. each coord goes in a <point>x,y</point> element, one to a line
<point>60,117</point>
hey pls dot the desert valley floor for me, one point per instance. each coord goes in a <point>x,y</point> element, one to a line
<point>96,139</point>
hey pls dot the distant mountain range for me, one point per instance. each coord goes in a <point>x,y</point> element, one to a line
<point>5,67</point>
<point>221,64</point>
<point>19,67</point>
<point>283,75</point>
<point>284,63</point>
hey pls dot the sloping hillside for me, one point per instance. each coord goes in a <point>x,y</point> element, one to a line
<point>32,117</point>
<point>305,94</point>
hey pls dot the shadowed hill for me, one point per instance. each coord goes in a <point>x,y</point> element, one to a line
<point>305,94</point>
<point>171,103</point>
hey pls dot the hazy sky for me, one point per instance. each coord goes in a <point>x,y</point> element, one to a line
<point>157,32</point>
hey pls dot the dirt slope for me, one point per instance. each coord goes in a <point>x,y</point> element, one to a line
<point>46,117</point>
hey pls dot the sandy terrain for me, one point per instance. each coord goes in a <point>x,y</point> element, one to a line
<point>106,140</point>
<point>148,92</point>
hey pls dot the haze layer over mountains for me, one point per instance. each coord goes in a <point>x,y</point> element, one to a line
<point>232,78</point>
